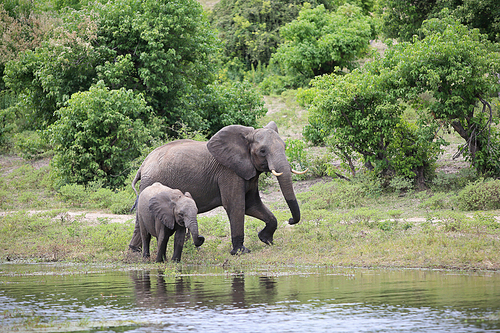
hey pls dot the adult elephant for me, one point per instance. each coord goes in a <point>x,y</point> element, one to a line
<point>224,172</point>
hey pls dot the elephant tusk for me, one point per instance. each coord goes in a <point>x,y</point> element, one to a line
<point>300,172</point>
<point>276,174</point>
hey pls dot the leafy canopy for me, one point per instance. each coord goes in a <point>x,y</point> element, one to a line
<point>250,29</point>
<point>401,19</point>
<point>98,135</point>
<point>458,67</point>
<point>321,42</point>
<point>162,49</point>
<point>360,114</point>
<point>359,117</point>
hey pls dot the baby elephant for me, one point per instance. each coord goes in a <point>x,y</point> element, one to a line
<point>161,211</point>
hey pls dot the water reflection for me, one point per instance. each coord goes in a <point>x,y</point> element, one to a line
<point>152,289</point>
<point>211,300</point>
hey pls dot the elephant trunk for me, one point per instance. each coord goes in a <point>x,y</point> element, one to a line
<point>193,229</point>
<point>285,181</point>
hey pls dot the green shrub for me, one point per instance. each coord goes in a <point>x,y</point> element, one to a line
<point>228,103</point>
<point>297,156</point>
<point>7,123</point>
<point>480,195</point>
<point>30,145</point>
<point>102,198</point>
<point>98,135</point>
<point>437,201</point>
<point>335,194</point>
<point>122,201</point>
<point>401,184</point>
<point>74,194</point>
<point>453,181</point>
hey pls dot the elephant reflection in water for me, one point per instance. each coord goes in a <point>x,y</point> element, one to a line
<point>159,297</point>
<point>185,291</point>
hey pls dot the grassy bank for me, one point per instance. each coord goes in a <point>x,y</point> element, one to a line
<point>387,230</point>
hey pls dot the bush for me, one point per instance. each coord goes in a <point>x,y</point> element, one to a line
<point>228,103</point>
<point>30,145</point>
<point>453,181</point>
<point>98,135</point>
<point>480,195</point>
<point>335,194</point>
<point>320,41</point>
<point>297,156</point>
<point>74,194</point>
<point>437,201</point>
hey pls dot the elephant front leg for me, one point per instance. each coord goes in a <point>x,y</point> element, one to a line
<point>179,239</point>
<point>163,237</point>
<point>257,209</point>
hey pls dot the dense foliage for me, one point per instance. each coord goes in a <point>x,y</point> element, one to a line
<point>98,135</point>
<point>321,42</point>
<point>361,118</point>
<point>250,29</point>
<point>402,19</point>
<point>458,67</point>
<point>361,113</point>
<point>159,48</point>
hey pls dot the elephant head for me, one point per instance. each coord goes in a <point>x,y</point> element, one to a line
<point>249,152</point>
<point>172,208</point>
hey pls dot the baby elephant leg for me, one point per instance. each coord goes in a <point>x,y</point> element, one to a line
<point>179,238</point>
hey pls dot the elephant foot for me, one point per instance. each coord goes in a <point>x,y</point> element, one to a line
<point>135,248</point>
<point>238,247</point>
<point>266,237</point>
<point>240,250</point>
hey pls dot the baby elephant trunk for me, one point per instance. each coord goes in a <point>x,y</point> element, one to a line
<point>193,229</point>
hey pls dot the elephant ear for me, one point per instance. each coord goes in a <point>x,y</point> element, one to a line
<point>162,208</point>
<point>272,125</point>
<point>230,147</point>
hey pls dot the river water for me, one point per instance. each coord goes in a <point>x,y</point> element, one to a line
<point>59,298</point>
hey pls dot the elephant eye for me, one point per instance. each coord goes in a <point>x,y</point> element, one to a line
<point>263,151</point>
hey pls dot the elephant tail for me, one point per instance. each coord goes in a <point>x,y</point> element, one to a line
<point>135,204</point>
<point>136,179</point>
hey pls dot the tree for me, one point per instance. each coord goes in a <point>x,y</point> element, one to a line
<point>98,135</point>
<point>401,19</point>
<point>458,67</point>
<point>360,113</point>
<point>46,77</point>
<point>321,42</point>
<point>358,116</point>
<point>162,49</point>
<point>250,29</point>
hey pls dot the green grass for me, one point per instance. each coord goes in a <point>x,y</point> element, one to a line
<point>382,231</point>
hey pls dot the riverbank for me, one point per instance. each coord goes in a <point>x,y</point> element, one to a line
<point>389,230</point>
